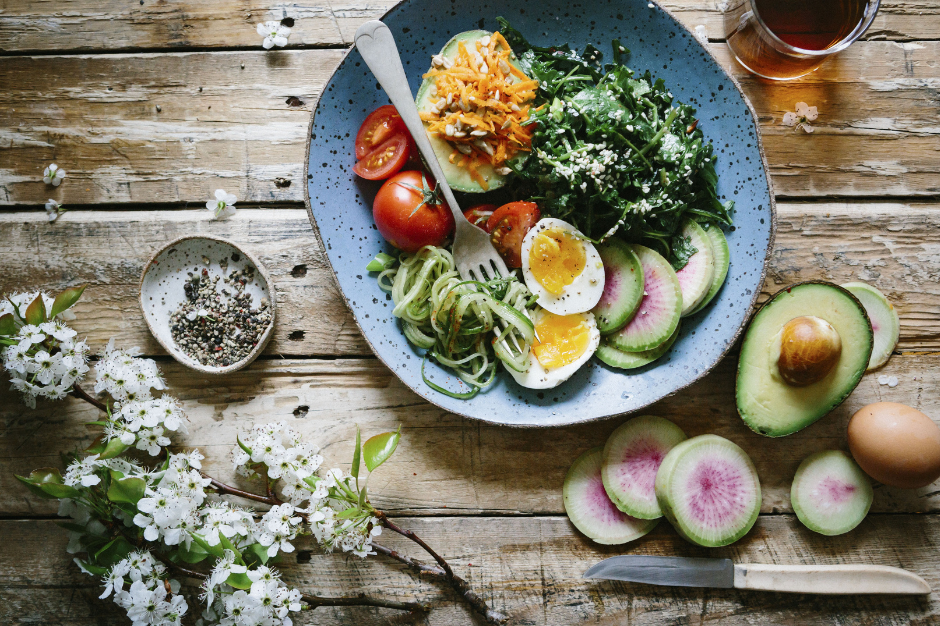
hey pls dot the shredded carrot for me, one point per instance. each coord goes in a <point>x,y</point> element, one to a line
<point>491,101</point>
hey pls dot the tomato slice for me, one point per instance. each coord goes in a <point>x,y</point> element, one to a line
<point>385,160</point>
<point>377,129</point>
<point>479,214</point>
<point>508,226</point>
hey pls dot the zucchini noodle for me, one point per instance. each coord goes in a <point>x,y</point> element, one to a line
<point>452,319</point>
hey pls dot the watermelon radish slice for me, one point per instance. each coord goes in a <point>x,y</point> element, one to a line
<point>884,322</point>
<point>830,494</point>
<point>722,263</point>
<point>631,458</point>
<point>589,508</point>
<point>695,278</point>
<point>707,487</point>
<point>657,317</point>
<point>614,357</point>
<point>623,286</point>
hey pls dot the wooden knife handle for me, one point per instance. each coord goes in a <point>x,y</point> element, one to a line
<point>829,579</point>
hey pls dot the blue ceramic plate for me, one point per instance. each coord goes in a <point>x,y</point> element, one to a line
<point>340,204</point>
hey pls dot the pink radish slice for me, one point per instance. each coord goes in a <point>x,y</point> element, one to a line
<point>631,459</point>
<point>589,508</point>
<point>831,494</point>
<point>695,279</point>
<point>658,314</point>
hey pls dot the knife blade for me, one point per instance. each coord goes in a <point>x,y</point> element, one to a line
<point>724,574</point>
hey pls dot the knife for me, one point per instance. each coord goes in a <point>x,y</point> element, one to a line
<point>724,574</point>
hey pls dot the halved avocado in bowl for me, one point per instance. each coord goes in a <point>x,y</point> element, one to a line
<point>459,178</point>
<point>804,352</point>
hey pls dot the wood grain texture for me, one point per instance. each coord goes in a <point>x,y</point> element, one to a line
<point>170,128</point>
<point>885,244</point>
<point>445,464</point>
<point>111,25</point>
<point>529,568</point>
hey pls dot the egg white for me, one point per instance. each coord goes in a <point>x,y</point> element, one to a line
<point>584,292</point>
<point>535,376</point>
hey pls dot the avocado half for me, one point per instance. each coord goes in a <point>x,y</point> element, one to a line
<point>767,404</point>
<point>458,178</point>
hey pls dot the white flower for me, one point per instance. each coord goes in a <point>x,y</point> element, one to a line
<point>52,175</point>
<point>223,205</point>
<point>804,114</point>
<point>274,33</point>
<point>53,210</point>
<point>83,472</point>
<point>701,34</point>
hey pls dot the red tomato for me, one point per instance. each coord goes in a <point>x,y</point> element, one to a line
<point>409,213</point>
<point>376,130</point>
<point>508,226</point>
<point>479,214</point>
<point>385,160</point>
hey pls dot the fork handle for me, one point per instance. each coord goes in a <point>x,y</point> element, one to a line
<point>377,46</point>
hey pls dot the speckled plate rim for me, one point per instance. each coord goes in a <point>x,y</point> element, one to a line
<point>175,352</point>
<point>705,370</point>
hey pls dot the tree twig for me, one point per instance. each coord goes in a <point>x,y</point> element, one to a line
<point>423,568</point>
<point>361,600</point>
<point>80,393</point>
<point>222,488</point>
<point>460,585</point>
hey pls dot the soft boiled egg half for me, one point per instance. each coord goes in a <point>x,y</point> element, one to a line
<point>562,268</point>
<point>563,343</point>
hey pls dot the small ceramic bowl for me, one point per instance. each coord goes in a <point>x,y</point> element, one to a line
<point>162,290</point>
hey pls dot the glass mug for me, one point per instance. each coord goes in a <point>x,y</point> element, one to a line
<point>786,39</point>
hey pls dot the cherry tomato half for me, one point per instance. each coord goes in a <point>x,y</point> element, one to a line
<point>479,214</point>
<point>385,160</point>
<point>508,226</point>
<point>376,130</point>
<point>409,214</point>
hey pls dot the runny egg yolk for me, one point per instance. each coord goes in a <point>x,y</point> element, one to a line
<point>560,339</point>
<point>556,258</point>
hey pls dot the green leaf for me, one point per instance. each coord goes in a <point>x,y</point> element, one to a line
<point>66,299</point>
<point>239,581</point>
<point>128,490</point>
<point>36,311</point>
<point>113,551</point>
<point>7,325</point>
<point>378,449</point>
<point>88,568</point>
<point>112,449</point>
<point>348,513</point>
<point>47,482</point>
<point>194,554</point>
<point>216,550</point>
<point>226,544</point>
<point>258,552</point>
<point>97,446</point>
<point>357,455</point>
<point>363,497</point>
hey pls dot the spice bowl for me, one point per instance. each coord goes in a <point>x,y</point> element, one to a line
<point>209,303</point>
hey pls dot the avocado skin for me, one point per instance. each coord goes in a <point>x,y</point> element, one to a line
<point>844,386</point>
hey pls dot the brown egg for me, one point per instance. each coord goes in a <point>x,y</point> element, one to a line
<point>809,348</point>
<point>895,444</point>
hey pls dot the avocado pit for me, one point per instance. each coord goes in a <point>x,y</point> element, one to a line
<point>809,348</point>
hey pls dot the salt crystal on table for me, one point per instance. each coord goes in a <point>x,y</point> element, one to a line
<point>892,381</point>
<point>883,380</point>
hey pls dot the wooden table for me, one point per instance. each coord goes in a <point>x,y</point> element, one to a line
<point>151,106</point>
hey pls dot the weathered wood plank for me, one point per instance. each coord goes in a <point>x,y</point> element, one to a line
<point>173,127</point>
<point>445,464</point>
<point>885,244</point>
<point>86,25</point>
<point>529,568</point>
